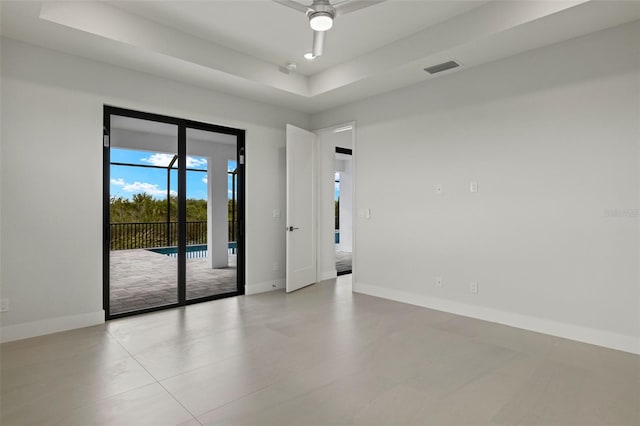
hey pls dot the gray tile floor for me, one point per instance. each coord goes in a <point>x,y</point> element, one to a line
<point>318,356</point>
<point>141,279</point>
<point>343,261</point>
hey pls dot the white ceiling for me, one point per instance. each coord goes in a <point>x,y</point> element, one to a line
<point>277,34</point>
<point>240,46</point>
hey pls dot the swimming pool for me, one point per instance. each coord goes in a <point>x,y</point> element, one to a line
<point>193,252</point>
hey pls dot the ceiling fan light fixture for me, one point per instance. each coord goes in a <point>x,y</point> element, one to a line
<point>321,21</point>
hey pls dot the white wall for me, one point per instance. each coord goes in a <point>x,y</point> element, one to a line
<point>51,178</point>
<point>552,237</point>
<point>550,135</point>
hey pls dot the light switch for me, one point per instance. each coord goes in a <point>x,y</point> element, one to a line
<point>368,213</point>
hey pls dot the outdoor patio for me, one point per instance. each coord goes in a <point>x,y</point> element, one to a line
<point>343,261</point>
<point>142,279</point>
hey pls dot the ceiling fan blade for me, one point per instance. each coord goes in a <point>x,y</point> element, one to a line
<point>338,3</point>
<point>318,42</point>
<point>343,8</point>
<point>293,5</point>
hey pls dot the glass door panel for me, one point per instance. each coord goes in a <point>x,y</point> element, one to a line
<point>143,231</point>
<point>211,265</point>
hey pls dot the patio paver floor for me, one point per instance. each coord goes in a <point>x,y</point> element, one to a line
<point>142,279</point>
<point>343,261</point>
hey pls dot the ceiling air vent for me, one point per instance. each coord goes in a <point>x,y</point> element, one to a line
<point>442,67</point>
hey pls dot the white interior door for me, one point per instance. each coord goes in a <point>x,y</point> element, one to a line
<point>301,208</point>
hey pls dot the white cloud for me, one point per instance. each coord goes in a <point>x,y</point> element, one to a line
<point>193,162</point>
<point>142,187</point>
<point>163,160</point>
<point>158,159</point>
<point>204,179</point>
<point>148,188</point>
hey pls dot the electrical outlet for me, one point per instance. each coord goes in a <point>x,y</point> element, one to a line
<point>4,305</point>
<point>473,187</point>
<point>276,213</point>
<point>439,281</point>
<point>473,287</point>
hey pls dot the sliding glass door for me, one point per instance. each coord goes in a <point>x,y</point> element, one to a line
<point>173,212</point>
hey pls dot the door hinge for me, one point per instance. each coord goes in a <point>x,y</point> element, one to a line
<point>105,141</point>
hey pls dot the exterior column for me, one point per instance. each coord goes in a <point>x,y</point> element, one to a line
<point>217,221</point>
<point>346,207</point>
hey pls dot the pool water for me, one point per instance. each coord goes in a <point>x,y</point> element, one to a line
<point>193,252</point>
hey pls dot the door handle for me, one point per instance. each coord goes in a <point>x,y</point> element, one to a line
<point>291,228</point>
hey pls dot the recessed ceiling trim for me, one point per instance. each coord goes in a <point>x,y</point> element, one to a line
<point>103,20</point>
<point>343,129</point>
<point>134,41</point>
<point>487,20</point>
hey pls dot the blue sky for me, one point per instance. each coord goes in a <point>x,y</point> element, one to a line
<point>127,181</point>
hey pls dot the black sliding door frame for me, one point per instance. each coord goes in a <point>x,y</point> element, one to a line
<point>182,125</point>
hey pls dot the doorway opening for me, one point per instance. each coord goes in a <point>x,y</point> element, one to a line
<point>173,212</point>
<point>343,200</point>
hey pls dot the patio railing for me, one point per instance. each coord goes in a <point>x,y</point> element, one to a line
<point>135,235</point>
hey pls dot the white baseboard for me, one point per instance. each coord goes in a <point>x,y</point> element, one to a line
<point>25,330</point>
<point>264,287</point>
<point>568,331</point>
<point>328,275</point>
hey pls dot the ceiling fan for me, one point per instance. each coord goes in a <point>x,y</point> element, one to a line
<point>321,14</point>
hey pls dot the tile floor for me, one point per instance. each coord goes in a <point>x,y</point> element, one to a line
<point>319,356</point>
<point>142,279</point>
